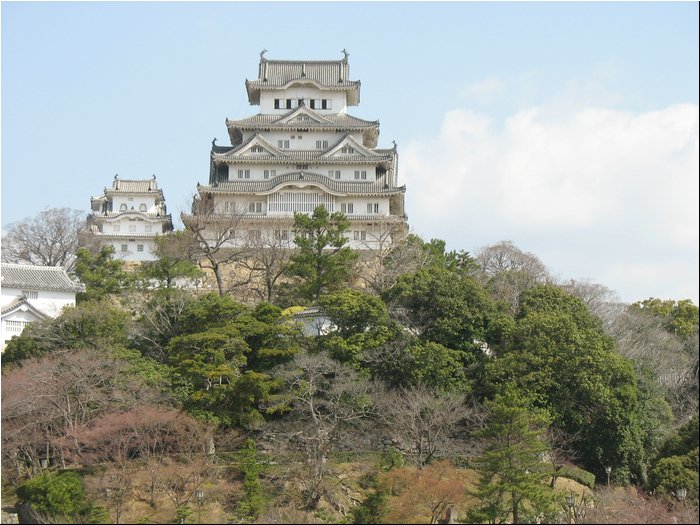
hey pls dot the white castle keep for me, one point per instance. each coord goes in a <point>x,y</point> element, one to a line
<point>300,151</point>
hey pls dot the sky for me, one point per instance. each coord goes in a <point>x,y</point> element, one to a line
<point>569,129</point>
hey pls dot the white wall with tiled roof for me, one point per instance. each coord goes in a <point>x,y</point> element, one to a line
<point>30,293</point>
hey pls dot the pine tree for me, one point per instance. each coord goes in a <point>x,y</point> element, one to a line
<point>512,472</point>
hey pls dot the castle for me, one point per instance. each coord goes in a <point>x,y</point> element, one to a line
<point>300,151</point>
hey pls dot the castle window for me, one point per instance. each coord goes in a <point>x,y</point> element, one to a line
<point>283,144</point>
<point>139,247</point>
<point>257,149</point>
<point>142,207</point>
<point>360,235</point>
<point>360,175</point>
<point>282,235</point>
<point>243,174</point>
<point>30,294</point>
<point>124,247</point>
<point>122,207</point>
<point>346,207</point>
<point>255,207</point>
<point>254,235</point>
<point>347,150</point>
<point>269,173</point>
<point>321,144</point>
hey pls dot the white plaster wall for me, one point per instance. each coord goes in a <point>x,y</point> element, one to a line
<point>132,253</point>
<point>134,203</point>
<point>338,99</point>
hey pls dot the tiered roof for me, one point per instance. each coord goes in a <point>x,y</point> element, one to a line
<point>297,178</point>
<point>331,154</point>
<point>24,276</point>
<point>331,75</point>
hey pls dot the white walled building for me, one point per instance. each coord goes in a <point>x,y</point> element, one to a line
<point>33,293</point>
<point>303,149</point>
<point>129,216</point>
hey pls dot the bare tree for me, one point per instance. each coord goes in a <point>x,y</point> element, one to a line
<point>218,236</point>
<point>387,255</point>
<point>423,420</point>
<point>49,239</point>
<point>48,403</point>
<point>508,271</point>
<point>325,400</point>
<point>266,260</point>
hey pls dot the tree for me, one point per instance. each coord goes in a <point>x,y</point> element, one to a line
<point>512,473</point>
<point>389,255</point>
<point>251,505</point>
<point>101,273</point>
<point>89,325</point>
<point>59,497</point>
<point>48,404</point>
<point>216,232</point>
<point>324,400</point>
<point>424,421</point>
<point>448,308</point>
<point>49,239</point>
<point>679,317</point>
<point>175,254</point>
<point>266,259</point>
<point>428,494</point>
<point>323,259</point>
<point>559,352</point>
<point>507,271</point>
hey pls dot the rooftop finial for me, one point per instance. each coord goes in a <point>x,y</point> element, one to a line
<point>213,142</point>
<point>116,176</point>
<point>345,52</point>
<point>262,54</point>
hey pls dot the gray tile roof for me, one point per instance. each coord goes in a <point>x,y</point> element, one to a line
<point>18,302</point>
<point>24,276</point>
<point>133,186</point>
<point>355,188</point>
<point>330,74</point>
<point>326,121</point>
<point>315,155</point>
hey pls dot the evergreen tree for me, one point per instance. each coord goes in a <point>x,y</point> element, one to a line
<point>323,259</point>
<point>513,476</point>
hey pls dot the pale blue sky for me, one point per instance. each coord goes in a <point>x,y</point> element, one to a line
<point>486,99</point>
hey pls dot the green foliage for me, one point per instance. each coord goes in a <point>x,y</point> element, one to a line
<point>373,509</point>
<point>323,259</point>
<point>174,252</point>
<point>411,362</point>
<point>391,458</point>
<point>679,317</point>
<point>577,474</point>
<point>447,308</point>
<point>674,472</point>
<point>353,312</point>
<point>183,514</point>
<point>559,353</point>
<point>250,463</point>
<point>91,324</point>
<point>59,496</point>
<point>102,274</point>
<point>512,474</point>
<point>209,311</point>
<point>682,441</point>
